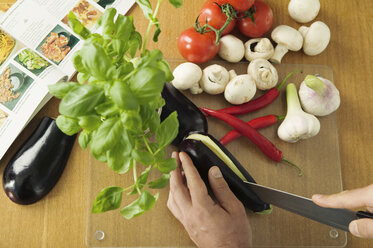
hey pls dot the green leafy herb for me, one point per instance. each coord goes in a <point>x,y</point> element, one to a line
<point>115,106</point>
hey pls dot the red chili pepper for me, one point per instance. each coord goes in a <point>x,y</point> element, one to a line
<point>266,146</point>
<point>259,102</point>
<point>257,123</point>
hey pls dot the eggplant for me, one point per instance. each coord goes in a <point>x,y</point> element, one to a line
<point>37,166</point>
<point>205,152</point>
<point>190,118</point>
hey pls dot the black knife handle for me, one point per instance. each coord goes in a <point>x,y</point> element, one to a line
<point>363,214</point>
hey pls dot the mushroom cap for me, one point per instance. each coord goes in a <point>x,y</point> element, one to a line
<point>287,36</point>
<point>303,11</point>
<point>214,79</point>
<point>231,48</point>
<point>240,89</point>
<point>186,75</point>
<point>315,38</point>
<point>264,74</point>
<point>262,50</point>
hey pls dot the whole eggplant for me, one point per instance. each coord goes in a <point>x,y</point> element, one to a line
<point>190,117</point>
<point>204,158</point>
<point>37,166</point>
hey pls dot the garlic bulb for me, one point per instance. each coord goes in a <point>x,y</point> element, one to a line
<point>297,124</point>
<point>319,96</point>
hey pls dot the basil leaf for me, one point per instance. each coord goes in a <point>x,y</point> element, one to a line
<point>132,121</point>
<point>59,90</point>
<point>107,135</point>
<point>139,206</point>
<point>167,131</point>
<point>90,122</point>
<point>78,27</point>
<point>167,165</point>
<point>109,198</point>
<point>95,61</point>
<point>68,125</point>
<point>119,157</point>
<point>84,139</point>
<point>122,96</point>
<point>165,67</point>
<point>106,109</point>
<point>176,3</point>
<point>147,84</point>
<point>83,77</point>
<point>134,43</point>
<point>160,183</point>
<point>143,157</point>
<point>146,8</point>
<point>141,181</point>
<point>150,59</point>
<point>81,100</point>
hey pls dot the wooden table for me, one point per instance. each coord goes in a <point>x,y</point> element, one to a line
<point>59,220</point>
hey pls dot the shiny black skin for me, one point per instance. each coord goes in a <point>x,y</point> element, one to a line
<point>190,118</point>
<point>38,165</point>
<point>203,158</point>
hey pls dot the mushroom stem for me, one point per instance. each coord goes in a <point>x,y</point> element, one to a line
<point>264,45</point>
<point>280,51</point>
<point>315,84</point>
<point>303,30</point>
<point>232,74</point>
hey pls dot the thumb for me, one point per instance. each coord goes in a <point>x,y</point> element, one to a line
<point>221,190</point>
<point>362,228</point>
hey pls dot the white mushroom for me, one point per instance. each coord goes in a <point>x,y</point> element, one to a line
<point>264,74</point>
<point>232,74</point>
<point>315,38</point>
<point>240,89</point>
<point>263,49</point>
<point>303,11</point>
<point>287,38</point>
<point>187,76</point>
<point>214,79</point>
<point>231,48</point>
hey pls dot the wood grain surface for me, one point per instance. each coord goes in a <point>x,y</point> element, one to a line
<point>59,220</point>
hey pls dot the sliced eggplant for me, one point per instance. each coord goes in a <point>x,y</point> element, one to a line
<point>205,152</point>
<point>190,118</point>
<point>37,166</point>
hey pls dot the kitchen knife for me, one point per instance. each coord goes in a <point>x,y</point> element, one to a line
<point>335,217</point>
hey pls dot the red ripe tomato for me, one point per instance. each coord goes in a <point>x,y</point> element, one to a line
<point>238,5</point>
<point>263,18</point>
<point>196,47</point>
<point>215,17</point>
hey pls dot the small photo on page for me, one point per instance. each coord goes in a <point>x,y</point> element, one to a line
<point>86,13</point>
<point>13,84</point>
<point>7,46</point>
<point>57,44</point>
<point>32,61</point>
<point>104,3</point>
<point>3,117</point>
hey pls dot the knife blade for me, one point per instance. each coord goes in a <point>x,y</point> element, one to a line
<point>335,217</point>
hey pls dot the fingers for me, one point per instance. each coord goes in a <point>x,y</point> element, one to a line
<point>197,187</point>
<point>174,208</point>
<point>222,191</point>
<point>178,190</point>
<point>362,228</point>
<point>356,198</point>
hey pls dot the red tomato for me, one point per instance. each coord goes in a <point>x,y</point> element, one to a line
<point>263,18</point>
<point>215,17</point>
<point>196,47</point>
<point>238,5</point>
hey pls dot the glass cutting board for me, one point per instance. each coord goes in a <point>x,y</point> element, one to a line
<point>318,157</point>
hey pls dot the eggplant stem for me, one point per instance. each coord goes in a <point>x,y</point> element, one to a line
<point>294,165</point>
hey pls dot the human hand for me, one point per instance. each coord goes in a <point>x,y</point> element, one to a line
<point>356,198</point>
<point>208,224</point>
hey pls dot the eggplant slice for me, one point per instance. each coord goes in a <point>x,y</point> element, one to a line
<point>38,165</point>
<point>204,158</point>
<point>190,118</point>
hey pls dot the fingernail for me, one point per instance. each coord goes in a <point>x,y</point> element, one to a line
<point>215,171</point>
<point>174,155</point>
<point>354,229</point>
